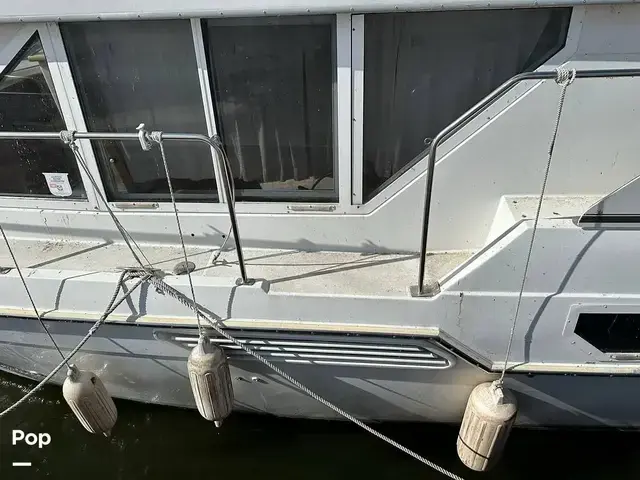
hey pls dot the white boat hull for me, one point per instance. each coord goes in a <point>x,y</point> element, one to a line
<point>148,364</point>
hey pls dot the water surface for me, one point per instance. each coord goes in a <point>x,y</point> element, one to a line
<point>162,443</point>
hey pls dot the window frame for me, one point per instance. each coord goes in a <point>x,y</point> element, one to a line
<point>7,56</point>
<point>342,134</point>
<point>207,96</point>
<point>571,322</point>
<point>341,113</point>
<point>348,107</point>
<point>136,205</point>
<point>415,169</point>
<point>357,128</point>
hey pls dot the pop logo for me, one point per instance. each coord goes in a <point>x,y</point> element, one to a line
<point>31,439</point>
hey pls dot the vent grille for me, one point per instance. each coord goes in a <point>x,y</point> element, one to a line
<point>311,349</point>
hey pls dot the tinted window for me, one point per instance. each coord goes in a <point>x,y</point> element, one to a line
<point>424,70</point>
<point>273,84</point>
<point>610,332</point>
<point>28,104</point>
<point>132,72</point>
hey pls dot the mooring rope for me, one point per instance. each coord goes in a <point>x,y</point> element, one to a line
<point>564,78</point>
<point>153,277</point>
<point>200,313</point>
<point>28,292</point>
<point>180,297</point>
<point>69,138</point>
<point>113,304</point>
<point>146,145</point>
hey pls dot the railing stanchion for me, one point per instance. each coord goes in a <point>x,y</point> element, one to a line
<point>431,286</point>
<point>224,167</point>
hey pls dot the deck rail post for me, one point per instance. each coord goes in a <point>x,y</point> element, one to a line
<point>431,286</point>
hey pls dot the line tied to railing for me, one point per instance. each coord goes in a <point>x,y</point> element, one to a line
<point>565,76</point>
<point>148,139</point>
<point>68,136</point>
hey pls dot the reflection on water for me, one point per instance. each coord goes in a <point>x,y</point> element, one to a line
<point>166,443</point>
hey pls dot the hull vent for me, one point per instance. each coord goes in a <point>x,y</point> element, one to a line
<point>312,349</point>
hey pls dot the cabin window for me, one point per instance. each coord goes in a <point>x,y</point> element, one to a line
<point>28,104</point>
<point>128,72</point>
<point>273,83</point>
<point>423,70</point>
<point>610,332</point>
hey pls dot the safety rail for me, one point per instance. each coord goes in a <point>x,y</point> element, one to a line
<point>185,137</point>
<point>432,287</point>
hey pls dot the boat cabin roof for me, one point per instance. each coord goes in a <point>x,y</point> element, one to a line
<point>71,10</point>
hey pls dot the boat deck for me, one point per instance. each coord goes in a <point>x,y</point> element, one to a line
<point>292,271</point>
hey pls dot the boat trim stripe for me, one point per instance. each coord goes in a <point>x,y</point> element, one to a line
<point>444,341</point>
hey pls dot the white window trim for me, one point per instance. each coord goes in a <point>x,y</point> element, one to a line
<point>7,55</point>
<point>343,153</point>
<point>207,98</point>
<point>357,130</point>
<point>342,115</point>
<point>77,119</point>
<point>69,104</point>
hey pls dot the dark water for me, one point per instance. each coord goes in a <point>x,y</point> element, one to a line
<point>166,443</point>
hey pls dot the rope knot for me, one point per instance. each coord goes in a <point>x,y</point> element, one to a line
<point>68,136</point>
<point>147,139</point>
<point>217,140</point>
<point>564,76</point>
<point>156,136</point>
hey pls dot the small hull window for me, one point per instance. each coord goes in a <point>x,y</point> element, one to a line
<point>423,70</point>
<point>610,332</point>
<point>128,72</point>
<point>273,80</point>
<point>28,104</point>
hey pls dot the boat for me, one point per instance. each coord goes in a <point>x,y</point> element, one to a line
<point>416,198</point>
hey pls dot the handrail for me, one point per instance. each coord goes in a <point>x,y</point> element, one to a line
<point>433,286</point>
<point>185,137</point>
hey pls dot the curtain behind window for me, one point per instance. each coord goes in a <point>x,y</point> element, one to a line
<point>273,83</point>
<point>424,70</point>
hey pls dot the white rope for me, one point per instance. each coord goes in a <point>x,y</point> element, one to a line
<point>110,308</point>
<point>26,289</point>
<point>179,296</point>
<point>564,78</point>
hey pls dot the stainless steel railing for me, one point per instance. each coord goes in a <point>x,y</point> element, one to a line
<point>433,287</point>
<point>184,137</point>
